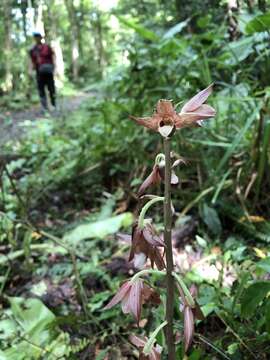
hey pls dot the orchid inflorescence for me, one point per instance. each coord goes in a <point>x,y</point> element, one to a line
<point>146,243</point>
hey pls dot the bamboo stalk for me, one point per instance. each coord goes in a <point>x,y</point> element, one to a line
<point>169,254</point>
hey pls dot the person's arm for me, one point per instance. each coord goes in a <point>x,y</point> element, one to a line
<point>53,58</point>
<point>52,55</point>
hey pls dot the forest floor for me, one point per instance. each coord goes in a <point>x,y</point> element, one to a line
<point>11,121</point>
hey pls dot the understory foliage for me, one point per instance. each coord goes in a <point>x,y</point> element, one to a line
<point>69,185</point>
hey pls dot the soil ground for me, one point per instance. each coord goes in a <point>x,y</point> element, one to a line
<point>10,121</point>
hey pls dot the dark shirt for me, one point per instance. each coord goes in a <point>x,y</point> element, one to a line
<point>41,54</point>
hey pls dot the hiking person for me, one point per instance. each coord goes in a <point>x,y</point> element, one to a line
<point>42,57</point>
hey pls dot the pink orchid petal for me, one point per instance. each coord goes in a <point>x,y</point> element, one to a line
<point>174,179</point>
<point>136,239</point>
<point>203,112</point>
<point>152,179</point>
<point>137,341</point>
<point>151,237</point>
<point>165,107</point>
<point>135,299</point>
<point>119,295</point>
<point>197,100</point>
<point>156,258</point>
<point>125,304</point>
<point>193,291</point>
<point>149,122</point>
<point>188,327</point>
<point>139,260</point>
<point>155,353</point>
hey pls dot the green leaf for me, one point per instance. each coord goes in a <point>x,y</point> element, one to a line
<point>252,297</point>
<point>201,241</point>
<point>32,314</point>
<point>239,50</point>
<point>31,318</point>
<point>237,140</point>
<point>264,264</point>
<point>175,29</point>
<point>258,24</point>
<point>211,218</point>
<point>101,355</point>
<point>99,229</point>
<point>97,301</point>
<point>267,316</point>
<point>232,348</point>
<point>7,329</point>
<point>140,29</point>
<point>3,356</point>
<point>239,291</point>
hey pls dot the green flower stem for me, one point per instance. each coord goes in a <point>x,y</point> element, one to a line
<point>146,207</point>
<point>150,343</point>
<point>183,286</point>
<point>146,272</point>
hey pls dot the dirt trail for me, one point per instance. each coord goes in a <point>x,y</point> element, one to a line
<point>10,121</point>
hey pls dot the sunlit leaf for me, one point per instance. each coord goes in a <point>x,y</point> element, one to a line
<point>140,29</point>
<point>258,24</point>
<point>175,29</point>
<point>264,264</point>
<point>238,50</point>
<point>99,229</point>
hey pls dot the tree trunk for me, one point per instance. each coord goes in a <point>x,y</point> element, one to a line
<point>75,36</point>
<point>24,12</point>
<point>262,5</point>
<point>100,44</point>
<point>31,17</point>
<point>233,9</point>
<point>98,37</point>
<point>52,25</point>
<point>250,5</point>
<point>8,82</point>
<point>81,21</point>
<point>39,22</point>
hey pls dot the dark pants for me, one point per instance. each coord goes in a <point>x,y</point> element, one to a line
<point>46,80</point>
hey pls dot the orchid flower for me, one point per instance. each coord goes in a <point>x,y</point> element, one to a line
<point>165,119</point>
<point>145,243</point>
<point>190,314</point>
<point>157,174</point>
<point>132,294</point>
